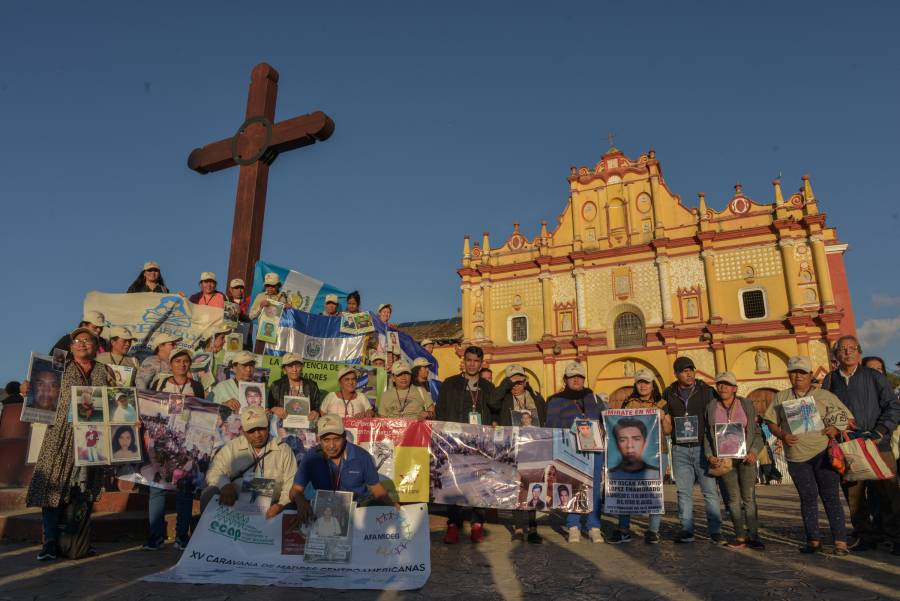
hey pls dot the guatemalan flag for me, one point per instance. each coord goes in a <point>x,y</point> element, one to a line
<point>306,293</point>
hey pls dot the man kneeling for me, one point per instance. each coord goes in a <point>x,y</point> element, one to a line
<point>248,457</point>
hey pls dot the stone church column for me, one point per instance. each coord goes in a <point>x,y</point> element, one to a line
<point>823,275</point>
<point>488,309</point>
<point>709,274</point>
<point>665,293</point>
<point>579,298</point>
<point>790,269</point>
<point>547,301</point>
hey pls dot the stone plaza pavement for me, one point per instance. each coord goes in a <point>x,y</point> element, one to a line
<point>500,569</point>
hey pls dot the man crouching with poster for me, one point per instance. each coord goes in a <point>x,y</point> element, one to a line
<point>338,465</point>
<point>256,464</point>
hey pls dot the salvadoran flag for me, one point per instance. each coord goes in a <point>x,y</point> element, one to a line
<point>317,338</point>
<point>306,293</point>
<point>410,351</point>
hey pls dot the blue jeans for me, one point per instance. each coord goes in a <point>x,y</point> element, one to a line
<point>655,518</point>
<point>184,505</point>
<point>573,520</point>
<point>50,517</point>
<point>689,466</point>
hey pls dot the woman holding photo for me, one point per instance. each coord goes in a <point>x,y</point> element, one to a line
<point>347,401</point>
<point>56,481</point>
<point>740,480</point>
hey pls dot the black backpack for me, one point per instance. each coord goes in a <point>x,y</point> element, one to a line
<point>74,540</point>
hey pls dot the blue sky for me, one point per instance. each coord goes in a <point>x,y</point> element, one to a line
<point>449,121</point>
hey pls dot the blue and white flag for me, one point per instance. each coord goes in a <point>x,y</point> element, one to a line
<point>317,338</point>
<point>305,293</point>
<point>410,351</point>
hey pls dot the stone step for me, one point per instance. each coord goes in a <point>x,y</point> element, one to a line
<point>110,501</point>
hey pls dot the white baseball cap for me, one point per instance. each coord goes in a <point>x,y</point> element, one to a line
<point>271,279</point>
<point>575,368</point>
<point>236,283</point>
<point>208,275</point>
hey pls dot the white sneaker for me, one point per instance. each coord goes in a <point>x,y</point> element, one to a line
<point>596,535</point>
<point>574,534</point>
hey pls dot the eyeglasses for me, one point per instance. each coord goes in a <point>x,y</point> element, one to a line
<point>83,342</point>
<point>519,383</point>
<point>154,270</point>
<point>846,350</point>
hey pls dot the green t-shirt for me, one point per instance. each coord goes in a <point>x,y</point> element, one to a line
<point>830,408</point>
<point>407,404</point>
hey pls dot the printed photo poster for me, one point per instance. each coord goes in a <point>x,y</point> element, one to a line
<point>730,440</point>
<point>256,494</point>
<point>59,359</point>
<point>234,342</point>
<point>43,394</point>
<point>537,496</point>
<point>179,438</point>
<point>231,313</point>
<point>251,394</point>
<point>297,409</point>
<point>123,374</point>
<point>589,436</point>
<point>802,415</point>
<point>269,320</point>
<point>330,537</point>
<point>523,418</point>
<point>687,428</point>
<point>88,404</point>
<point>122,405</point>
<point>91,444</point>
<point>568,466</point>
<point>390,551</point>
<point>203,368</point>
<point>634,480</point>
<point>400,449</point>
<point>125,443</point>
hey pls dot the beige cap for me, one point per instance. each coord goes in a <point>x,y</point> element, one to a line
<point>400,367</point>
<point>243,358</point>
<point>515,370</point>
<point>643,375</point>
<point>427,341</point>
<point>94,318</point>
<point>374,355</point>
<point>330,424</point>
<point>254,417</point>
<point>383,305</point>
<point>120,333</point>
<point>421,362</point>
<point>81,329</point>
<point>288,358</point>
<point>331,298</point>
<point>727,377</point>
<point>346,370</point>
<point>208,275</point>
<point>151,265</point>
<point>575,368</point>
<point>236,283</point>
<point>271,279</point>
<point>223,328</point>
<point>181,351</point>
<point>799,363</point>
<point>162,339</point>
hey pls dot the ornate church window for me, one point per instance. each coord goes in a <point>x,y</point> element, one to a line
<point>629,330</point>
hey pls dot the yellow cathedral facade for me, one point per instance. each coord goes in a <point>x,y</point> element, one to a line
<point>631,278</point>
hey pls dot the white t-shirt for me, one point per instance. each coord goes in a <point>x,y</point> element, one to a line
<point>332,403</point>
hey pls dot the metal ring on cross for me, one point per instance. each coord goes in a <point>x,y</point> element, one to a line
<point>261,150</point>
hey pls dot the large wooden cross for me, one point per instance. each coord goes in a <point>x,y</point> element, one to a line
<point>255,145</point>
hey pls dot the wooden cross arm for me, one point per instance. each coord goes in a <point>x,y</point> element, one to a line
<point>286,135</point>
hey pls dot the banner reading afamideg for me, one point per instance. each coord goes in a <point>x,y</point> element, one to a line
<point>148,313</point>
<point>634,478</point>
<point>391,551</point>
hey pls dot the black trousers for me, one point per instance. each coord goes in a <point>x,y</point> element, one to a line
<point>456,515</point>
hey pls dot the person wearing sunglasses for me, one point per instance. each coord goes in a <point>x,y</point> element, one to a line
<point>150,279</point>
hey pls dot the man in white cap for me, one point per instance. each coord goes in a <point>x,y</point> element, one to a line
<point>578,401</point>
<point>149,280</point>
<point>95,322</point>
<point>157,364</point>
<point>208,294</point>
<point>377,358</point>
<point>120,340</point>
<point>271,293</point>
<point>180,382</point>
<point>402,400</point>
<point>226,392</point>
<point>237,295</point>
<point>292,383</point>
<point>347,401</point>
<point>331,305</point>
<point>427,344</point>
<point>253,456</point>
<point>337,464</point>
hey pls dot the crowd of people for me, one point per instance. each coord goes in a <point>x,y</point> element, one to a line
<point>854,401</point>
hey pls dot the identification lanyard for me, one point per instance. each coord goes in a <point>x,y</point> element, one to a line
<point>181,387</point>
<point>346,402</point>
<point>85,377</point>
<point>684,402</point>
<point>336,482</point>
<point>405,402</point>
<point>474,394</point>
<point>729,411</point>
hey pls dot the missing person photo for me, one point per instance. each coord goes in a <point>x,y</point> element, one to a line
<point>687,428</point>
<point>251,394</point>
<point>332,511</point>
<point>562,496</point>
<point>522,417</point>
<point>633,452</point>
<point>588,435</point>
<point>296,405</point>
<point>122,405</point>
<point>91,445</point>
<point>537,496</point>
<point>124,374</point>
<point>234,342</point>
<point>126,445</point>
<point>730,440</point>
<point>89,403</point>
<point>176,404</point>
<point>45,382</point>
<point>59,359</point>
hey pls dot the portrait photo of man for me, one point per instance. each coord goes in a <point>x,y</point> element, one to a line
<point>630,436</point>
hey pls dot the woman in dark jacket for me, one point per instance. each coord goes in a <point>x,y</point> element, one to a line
<point>516,397</point>
<point>149,280</point>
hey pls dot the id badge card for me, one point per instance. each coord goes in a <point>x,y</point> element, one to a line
<point>474,418</point>
<point>687,428</point>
